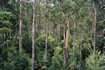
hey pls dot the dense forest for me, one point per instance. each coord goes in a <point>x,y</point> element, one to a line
<point>52,34</point>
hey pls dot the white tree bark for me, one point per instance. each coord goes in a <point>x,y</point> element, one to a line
<point>20,28</point>
<point>33,37</point>
<point>94,27</point>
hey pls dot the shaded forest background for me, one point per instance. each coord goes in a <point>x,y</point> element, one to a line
<point>52,34</point>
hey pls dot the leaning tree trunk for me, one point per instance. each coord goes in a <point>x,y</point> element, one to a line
<point>20,28</point>
<point>33,41</point>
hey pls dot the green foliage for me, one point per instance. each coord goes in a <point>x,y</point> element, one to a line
<point>9,56</point>
<point>53,12</point>
<point>96,62</point>
<point>6,20</point>
<point>57,59</point>
<point>10,59</point>
<point>40,49</point>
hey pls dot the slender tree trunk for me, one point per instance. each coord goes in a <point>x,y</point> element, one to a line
<point>20,28</point>
<point>46,31</point>
<point>28,20</point>
<point>66,39</point>
<point>94,27</point>
<point>74,35</point>
<point>60,31</point>
<point>33,41</point>
<point>94,31</point>
<point>39,17</point>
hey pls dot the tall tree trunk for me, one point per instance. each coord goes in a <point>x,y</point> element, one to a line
<point>20,28</point>
<point>66,39</point>
<point>94,31</point>
<point>74,35</point>
<point>94,27</point>
<point>39,26</point>
<point>33,32</point>
<point>46,31</point>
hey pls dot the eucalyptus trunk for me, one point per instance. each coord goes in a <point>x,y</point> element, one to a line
<point>46,42</point>
<point>33,37</point>
<point>20,28</point>
<point>66,40</point>
<point>74,36</point>
<point>94,27</point>
<point>45,54</point>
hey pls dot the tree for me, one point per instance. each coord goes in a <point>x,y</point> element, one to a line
<point>20,28</point>
<point>33,36</point>
<point>54,34</point>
